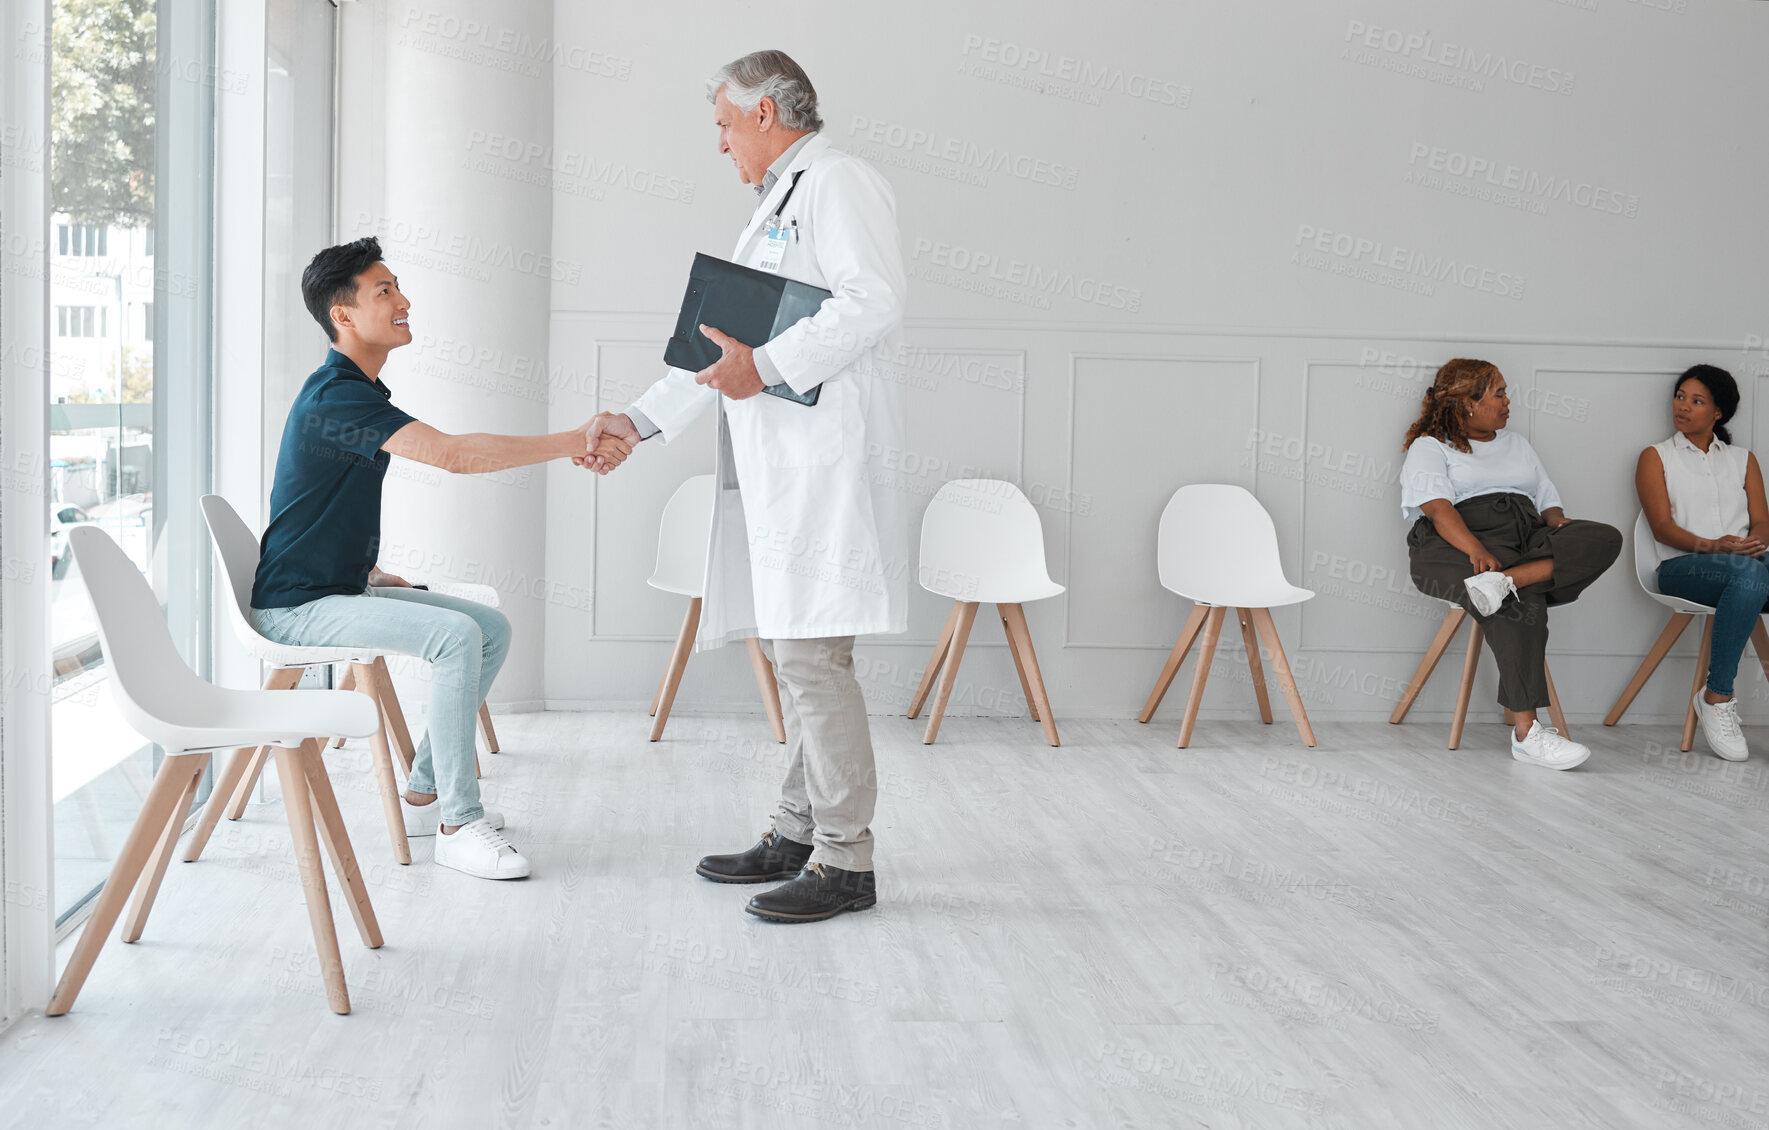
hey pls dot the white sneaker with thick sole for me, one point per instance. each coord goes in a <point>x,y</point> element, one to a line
<point>421,819</point>
<point>1547,747</point>
<point>1489,590</point>
<point>1720,728</point>
<point>480,850</point>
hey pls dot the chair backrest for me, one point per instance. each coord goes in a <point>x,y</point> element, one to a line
<point>1216,542</point>
<point>1646,555</point>
<point>982,535</point>
<point>236,552</point>
<point>154,689</point>
<point>683,534</point>
<point>1646,570</point>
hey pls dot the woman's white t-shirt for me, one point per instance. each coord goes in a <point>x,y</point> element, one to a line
<point>1706,489</point>
<point>1505,464</point>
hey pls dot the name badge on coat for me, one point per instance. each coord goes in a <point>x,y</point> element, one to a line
<point>773,248</point>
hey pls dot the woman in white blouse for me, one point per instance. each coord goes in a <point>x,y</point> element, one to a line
<point>1704,500</point>
<point>1489,534</point>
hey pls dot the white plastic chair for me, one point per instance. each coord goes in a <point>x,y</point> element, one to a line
<point>1217,547</point>
<point>684,534</point>
<point>236,555</point>
<point>982,542</point>
<point>1452,622</point>
<point>1682,611</point>
<point>191,718</point>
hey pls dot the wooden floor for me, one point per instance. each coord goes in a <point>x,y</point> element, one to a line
<point>1376,933</point>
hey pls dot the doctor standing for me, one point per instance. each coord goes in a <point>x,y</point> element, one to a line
<point>809,538</point>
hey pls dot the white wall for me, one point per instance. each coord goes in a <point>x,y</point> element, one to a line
<point>471,254</point>
<point>1192,308</point>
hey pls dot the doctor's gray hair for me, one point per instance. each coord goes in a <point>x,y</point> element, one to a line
<point>768,74</point>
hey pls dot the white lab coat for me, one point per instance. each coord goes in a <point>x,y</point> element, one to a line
<point>809,533</point>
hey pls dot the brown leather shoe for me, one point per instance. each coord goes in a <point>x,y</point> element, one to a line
<point>820,891</point>
<point>773,858</point>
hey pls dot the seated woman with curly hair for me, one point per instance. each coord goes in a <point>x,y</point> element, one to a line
<point>1489,534</point>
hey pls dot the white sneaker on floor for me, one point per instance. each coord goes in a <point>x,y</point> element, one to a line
<point>480,850</point>
<point>1720,728</point>
<point>1547,747</point>
<point>421,819</point>
<point>1489,590</point>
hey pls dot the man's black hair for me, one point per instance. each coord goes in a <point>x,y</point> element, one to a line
<point>330,280</point>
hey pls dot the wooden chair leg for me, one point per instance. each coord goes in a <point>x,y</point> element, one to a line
<point>485,731</point>
<point>346,681</point>
<point>1701,680</point>
<point>1760,641</point>
<point>223,788</point>
<point>1286,679</point>
<point>1673,629</point>
<point>336,839</point>
<point>656,699</point>
<point>1193,624</point>
<point>1206,653</point>
<point>1019,641</point>
<point>149,887</point>
<point>765,682</point>
<point>170,783</point>
<point>281,679</point>
<point>1452,621</point>
<point>398,736</point>
<point>967,615</point>
<point>298,807</point>
<point>1018,666</point>
<point>933,663</point>
<point>382,755</point>
<point>1476,636</point>
<point>1555,714</point>
<point>242,793</point>
<point>1253,665</point>
<point>672,678</point>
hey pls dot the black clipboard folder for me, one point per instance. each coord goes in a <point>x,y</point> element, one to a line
<point>752,306</point>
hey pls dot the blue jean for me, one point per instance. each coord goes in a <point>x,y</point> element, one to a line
<point>463,641</point>
<point>1736,587</point>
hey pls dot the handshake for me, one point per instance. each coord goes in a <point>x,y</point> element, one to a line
<point>608,439</point>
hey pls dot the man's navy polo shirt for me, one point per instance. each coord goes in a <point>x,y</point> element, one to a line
<point>325,502</point>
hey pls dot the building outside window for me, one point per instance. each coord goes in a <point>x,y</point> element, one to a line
<point>128,441</point>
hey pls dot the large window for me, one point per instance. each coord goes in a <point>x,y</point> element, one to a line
<point>128,410</point>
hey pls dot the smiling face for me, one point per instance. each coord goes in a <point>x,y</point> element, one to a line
<point>1693,411</point>
<point>378,319</point>
<point>1491,410</point>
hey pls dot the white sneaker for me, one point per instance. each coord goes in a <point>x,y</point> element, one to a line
<point>1545,746</point>
<point>1489,590</point>
<point>421,819</point>
<point>480,850</point>
<point>1720,728</point>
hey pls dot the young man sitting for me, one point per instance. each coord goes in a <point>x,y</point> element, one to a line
<point>318,584</point>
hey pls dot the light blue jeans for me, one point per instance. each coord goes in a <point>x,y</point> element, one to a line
<point>463,641</point>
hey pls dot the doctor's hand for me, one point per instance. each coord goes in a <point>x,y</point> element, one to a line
<point>733,374</point>
<point>608,439</point>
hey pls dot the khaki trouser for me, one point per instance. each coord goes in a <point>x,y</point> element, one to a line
<point>831,785</point>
